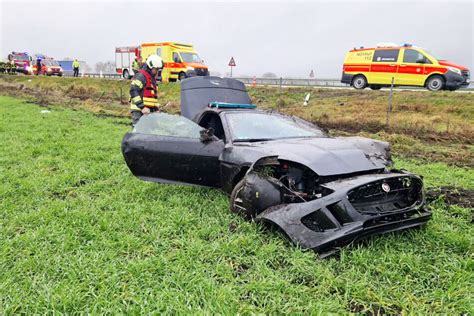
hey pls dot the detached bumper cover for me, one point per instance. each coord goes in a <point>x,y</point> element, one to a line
<point>359,207</point>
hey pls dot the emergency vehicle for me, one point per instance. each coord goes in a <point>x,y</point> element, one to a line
<point>22,62</point>
<point>406,64</point>
<point>49,66</point>
<point>180,60</point>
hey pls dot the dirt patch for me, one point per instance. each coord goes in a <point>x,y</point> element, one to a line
<point>354,126</point>
<point>452,196</point>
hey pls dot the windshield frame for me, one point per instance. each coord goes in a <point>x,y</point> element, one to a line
<point>231,137</point>
<point>51,63</point>
<point>20,56</point>
<point>190,53</point>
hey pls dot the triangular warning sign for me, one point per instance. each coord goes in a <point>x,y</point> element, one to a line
<point>232,62</point>
<point>311,74</point>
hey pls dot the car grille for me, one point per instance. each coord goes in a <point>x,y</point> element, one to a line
<point>387,195</point>
<point>465,73</point>
<point>201,71</point>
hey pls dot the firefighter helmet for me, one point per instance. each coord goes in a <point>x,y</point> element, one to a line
<point>154,61</point>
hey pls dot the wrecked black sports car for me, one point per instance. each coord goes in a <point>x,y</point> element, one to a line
<point>322,192</point>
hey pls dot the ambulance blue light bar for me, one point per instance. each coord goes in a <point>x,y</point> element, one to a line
<point>218,105</point>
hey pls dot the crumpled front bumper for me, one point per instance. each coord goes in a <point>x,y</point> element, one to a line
<point>339,219</point>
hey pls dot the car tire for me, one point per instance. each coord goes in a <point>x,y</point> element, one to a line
<point>181,76</point>
<point>236,203</point>
<point>359,82</point>
<point>435,83</point>
<point>126,74</point>
<point>375,87</point>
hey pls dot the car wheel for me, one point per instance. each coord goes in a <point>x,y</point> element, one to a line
<point>182,76</point>
<point>435,83</point>
<point>359,82</point>
<point>375,87</point>
<point>126,74</point>
<point>236,202</point>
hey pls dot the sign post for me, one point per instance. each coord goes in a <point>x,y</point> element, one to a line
<point>231,64</point>
<point>311,76</point>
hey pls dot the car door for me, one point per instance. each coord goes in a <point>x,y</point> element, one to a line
<point>412,68</point>
<point>167,148</point>
<point>384,65</point>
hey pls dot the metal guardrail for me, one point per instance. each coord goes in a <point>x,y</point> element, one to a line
<point>287,82</point>
<point>297,82</point>
<point>94,75</point>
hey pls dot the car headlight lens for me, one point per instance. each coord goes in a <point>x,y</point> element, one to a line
<point>455,70</point>
<point>49,69</point>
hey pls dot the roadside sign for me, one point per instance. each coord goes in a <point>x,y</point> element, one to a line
<point>231,64</point>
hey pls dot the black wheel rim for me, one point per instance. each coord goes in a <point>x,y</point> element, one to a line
<point>238,203</point>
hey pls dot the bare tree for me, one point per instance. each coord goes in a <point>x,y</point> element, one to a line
<point>269,75</point>
<point>107,67</point>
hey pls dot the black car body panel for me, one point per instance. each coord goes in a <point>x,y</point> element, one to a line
<point>198,92</point>
<point>323,192</point>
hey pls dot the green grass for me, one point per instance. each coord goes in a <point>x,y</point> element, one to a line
<point>79,233</point>
<point>424,125</point>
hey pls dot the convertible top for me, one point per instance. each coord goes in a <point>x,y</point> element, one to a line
<point>198,92</point>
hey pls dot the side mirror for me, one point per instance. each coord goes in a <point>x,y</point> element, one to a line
<point>206,135</point>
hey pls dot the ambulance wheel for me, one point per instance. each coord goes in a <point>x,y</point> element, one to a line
<point>375,87</point>
<point>435,83</point>
<point>126,74</point>
<point>182,76</point>
<point>359,82</point>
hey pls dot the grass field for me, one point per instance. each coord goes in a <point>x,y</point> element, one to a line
<point>79,233</point>
<point>433,127</point>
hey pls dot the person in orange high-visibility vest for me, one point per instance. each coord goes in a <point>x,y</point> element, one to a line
<point>143,91</point>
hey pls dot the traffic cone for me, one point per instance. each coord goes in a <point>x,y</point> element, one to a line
<point>254,82</point>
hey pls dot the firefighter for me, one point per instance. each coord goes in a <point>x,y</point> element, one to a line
<point>143,92</point>
<point>136,65</point>
<point>75,67</point>
<point>38,66</point>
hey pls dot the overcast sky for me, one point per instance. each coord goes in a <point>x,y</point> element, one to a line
<point>288,38</point>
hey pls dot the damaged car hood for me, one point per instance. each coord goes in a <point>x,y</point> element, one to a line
<point>325,156</point>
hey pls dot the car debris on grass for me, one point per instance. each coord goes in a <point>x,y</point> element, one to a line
<point>322,192</point>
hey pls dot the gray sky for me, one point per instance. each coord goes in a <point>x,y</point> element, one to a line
<point>288,38</point>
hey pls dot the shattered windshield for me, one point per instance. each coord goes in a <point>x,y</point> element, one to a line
<point>264,126</point>
<point>163,124</point>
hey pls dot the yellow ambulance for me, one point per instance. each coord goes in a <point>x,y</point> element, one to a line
<point>180,60</point>
<point>406,64</point>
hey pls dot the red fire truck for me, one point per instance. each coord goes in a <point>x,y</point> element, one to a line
<point>22,62</point>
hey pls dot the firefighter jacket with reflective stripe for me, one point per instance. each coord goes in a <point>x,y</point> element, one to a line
<point>143,90</point>
<point>75,64</point>
<point>135,65</point>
